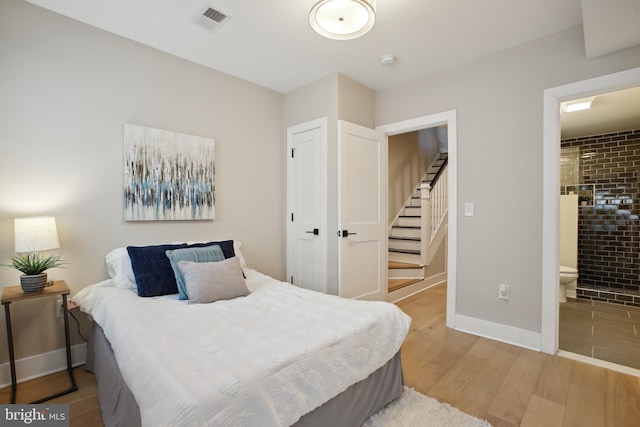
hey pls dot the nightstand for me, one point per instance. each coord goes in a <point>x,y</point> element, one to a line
<point>12,294</point>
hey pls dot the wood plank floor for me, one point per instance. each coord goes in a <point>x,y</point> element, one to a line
<point>506,385</point>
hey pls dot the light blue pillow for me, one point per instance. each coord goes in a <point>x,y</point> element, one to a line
<point>194,254</point>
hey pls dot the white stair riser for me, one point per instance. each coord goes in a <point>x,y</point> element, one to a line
<point>406,273</point>
<point>405,232</point>
<point>404,244</point>
<point>415,202</point>
<point>413,210</point>
<point>409,221</point>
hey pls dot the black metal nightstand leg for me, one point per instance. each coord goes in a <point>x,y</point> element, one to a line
<point>12,356</point>
<point>67,339</point>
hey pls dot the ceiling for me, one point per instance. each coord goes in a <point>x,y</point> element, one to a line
<point>609,112</point>
<point>270,42</point>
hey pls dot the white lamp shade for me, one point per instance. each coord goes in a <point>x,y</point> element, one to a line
<point>36,234</point>
<point>342,19</point>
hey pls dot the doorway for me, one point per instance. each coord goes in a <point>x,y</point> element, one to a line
<point>417,201</point>
<point>447,118</point>
<point>600,187</point>
<point>551,183</point>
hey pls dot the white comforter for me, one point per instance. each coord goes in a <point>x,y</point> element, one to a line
<point>262,360</point>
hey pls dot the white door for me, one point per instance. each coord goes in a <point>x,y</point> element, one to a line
<point>306,210</point>
<point>362,207</point>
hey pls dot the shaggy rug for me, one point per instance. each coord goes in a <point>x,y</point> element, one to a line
<point>413,409</point>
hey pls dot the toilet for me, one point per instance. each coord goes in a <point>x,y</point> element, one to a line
<point>567,275</point>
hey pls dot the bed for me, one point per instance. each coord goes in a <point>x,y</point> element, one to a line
<point>276,355</point>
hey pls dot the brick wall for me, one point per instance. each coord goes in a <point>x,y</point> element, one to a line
<point>609,231</point>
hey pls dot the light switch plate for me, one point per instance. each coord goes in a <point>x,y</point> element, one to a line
<point>468,209</point>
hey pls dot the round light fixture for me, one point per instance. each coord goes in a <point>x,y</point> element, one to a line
<point>342,19</point>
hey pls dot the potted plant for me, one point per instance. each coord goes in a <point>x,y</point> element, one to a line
<point>33,267</point>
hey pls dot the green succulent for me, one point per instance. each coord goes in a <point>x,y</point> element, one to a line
<point>32,263</point>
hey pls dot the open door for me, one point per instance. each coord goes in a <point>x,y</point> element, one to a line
<point>362,212</point>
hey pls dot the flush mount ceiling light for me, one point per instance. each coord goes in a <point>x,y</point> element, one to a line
<point>343,19</point>
<point>583,104</point>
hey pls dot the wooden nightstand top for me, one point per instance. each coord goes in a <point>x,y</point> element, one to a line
<point>15,293</point>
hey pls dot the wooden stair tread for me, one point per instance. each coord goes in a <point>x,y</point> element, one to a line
<point>395,284</point>
<point>405,251</point>
<point>399,264</point>
<point>410,239</point>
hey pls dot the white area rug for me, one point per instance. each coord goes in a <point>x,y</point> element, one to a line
<point>413,409</point>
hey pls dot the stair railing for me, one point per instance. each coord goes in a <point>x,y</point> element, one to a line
<point>433,205</point>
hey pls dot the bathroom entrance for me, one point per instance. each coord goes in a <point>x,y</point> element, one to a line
<point>600,227</point>
<point>603,197</point>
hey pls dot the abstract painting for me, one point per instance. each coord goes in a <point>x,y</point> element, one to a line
<point>167,175</point>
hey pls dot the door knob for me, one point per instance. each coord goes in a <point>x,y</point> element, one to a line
<point>315,232</point>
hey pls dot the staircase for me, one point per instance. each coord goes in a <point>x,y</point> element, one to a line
<point>413,231</point>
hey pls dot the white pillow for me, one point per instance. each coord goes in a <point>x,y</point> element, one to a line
<point>207,282</point>
<point>119,268</point>
<point>236,249</point>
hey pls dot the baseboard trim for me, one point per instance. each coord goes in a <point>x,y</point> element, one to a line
<point>601,363</point>
<point>499,332</point>
<point>43,364</point>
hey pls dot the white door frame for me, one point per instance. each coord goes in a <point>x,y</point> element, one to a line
<point>446,118</point>
<point>551,189</point>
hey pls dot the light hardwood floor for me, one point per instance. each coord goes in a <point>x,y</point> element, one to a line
<point>506,385</point>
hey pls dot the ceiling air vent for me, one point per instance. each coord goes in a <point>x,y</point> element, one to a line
<point>211,19</point>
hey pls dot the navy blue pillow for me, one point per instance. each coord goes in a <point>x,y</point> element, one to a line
<point>225,245</point>
<point>152,269</point>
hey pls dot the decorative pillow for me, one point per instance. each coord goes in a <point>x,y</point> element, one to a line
<point>119,268</point>
<point>195,254</point>
<point>230,248</point>
<point>152,269</point>
<point>213,281</point>
<point>236,249</point>
<point>225,245</point>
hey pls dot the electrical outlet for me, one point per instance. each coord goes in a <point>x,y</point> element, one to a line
<point>58,308</point>
<point>503,291</point>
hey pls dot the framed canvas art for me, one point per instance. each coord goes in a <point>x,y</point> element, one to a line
<point>167,175</point>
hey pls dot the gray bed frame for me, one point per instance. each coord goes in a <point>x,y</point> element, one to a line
<point>350,408</point>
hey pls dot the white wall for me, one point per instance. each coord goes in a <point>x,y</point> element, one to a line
<point>568,240</point>
<point>499,104</point>
<point>66,90</point>
<point>407,166</point>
